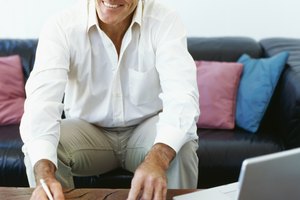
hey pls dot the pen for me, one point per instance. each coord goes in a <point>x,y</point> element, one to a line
<point>46,189</point>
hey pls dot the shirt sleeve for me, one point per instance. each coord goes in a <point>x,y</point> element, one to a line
<point>44,88</point>
<point>177,72</point>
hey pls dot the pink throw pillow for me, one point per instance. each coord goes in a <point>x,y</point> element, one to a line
<point>218,84</point>
<point>12,94</point>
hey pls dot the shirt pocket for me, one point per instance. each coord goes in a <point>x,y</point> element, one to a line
<point>144,87</point>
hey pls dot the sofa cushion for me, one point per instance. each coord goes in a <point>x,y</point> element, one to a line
<point>222,152</point>
<point>12,168</point>
<point>12,94</point>
<point>258,81</point>
<point>217,84</point>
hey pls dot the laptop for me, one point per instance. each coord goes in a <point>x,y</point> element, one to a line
<point>273,176</point>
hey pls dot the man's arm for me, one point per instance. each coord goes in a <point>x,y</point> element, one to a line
<point>43,107</point>
<point>151,174</point>
<point>177,121</point>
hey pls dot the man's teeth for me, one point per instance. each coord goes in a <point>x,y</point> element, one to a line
<point>109,5</point>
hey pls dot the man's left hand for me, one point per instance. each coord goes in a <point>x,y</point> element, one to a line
<point>150,181</point>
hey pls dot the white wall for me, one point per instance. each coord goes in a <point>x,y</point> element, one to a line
<point>25,18</point>
<point>254,18</point>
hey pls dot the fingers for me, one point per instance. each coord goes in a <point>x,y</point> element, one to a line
<point>135,188</point>
<point>38,194</point>
<point>147,188</point>
<point>147,192</point>
<point>160,193</point>
<point>160,189</point>
<point>55,190</point>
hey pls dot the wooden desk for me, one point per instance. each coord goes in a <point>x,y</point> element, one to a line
<point>12,193</point>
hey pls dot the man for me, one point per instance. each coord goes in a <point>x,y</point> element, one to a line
<point>130,99</point>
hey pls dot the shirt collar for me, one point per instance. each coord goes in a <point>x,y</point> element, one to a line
<point>92,15</point>
<point>137,17</point>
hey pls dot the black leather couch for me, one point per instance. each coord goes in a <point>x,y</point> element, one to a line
<point>220,152</point>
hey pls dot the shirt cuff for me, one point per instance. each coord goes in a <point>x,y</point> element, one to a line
<point>41,149</point>
<point>175,138</point>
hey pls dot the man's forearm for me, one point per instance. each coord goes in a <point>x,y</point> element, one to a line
<point>44,169</point>
<point>160,155</point>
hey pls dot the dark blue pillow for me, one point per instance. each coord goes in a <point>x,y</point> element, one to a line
<point>257,84</point>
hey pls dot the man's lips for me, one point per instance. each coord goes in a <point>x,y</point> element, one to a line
<point>108,5</point>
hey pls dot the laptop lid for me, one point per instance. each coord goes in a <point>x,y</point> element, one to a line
<point>274,176</point>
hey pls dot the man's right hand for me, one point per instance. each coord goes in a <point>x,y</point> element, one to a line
<point>45,169</point>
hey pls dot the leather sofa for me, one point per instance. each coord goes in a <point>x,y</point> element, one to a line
<point>220,152</point>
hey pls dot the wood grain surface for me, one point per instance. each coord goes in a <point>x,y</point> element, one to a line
<point>12,193</point>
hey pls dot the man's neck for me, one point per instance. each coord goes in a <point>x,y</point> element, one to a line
<point>115,32</point>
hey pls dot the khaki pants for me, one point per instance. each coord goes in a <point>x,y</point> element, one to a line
<point>86,150</point>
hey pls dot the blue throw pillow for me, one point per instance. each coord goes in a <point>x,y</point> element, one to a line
<point>257,84</point>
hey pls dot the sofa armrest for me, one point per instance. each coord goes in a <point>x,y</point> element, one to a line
<point>288,88</point>
<point>289,109</point>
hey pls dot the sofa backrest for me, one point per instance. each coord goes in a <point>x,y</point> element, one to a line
<point>201,48</point>
<point>223,48</point>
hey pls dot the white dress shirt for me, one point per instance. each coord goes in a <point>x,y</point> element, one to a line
<point>154,73</point>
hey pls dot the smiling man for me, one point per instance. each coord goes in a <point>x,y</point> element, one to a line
<point>130,99</point>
